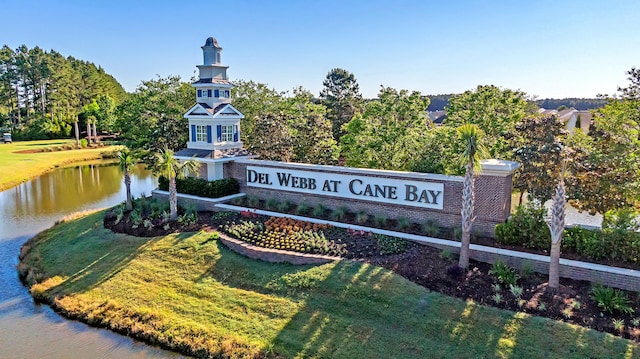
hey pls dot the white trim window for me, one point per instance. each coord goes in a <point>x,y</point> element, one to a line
<point>227,133</point>
<point>201,133</point>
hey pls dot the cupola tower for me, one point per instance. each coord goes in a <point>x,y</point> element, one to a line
<point>214,124</point>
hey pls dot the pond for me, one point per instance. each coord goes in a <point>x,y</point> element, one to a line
<point>29,330</point>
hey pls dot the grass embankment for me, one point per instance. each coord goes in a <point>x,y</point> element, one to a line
<point>188,292</point>
<point>16,168</point>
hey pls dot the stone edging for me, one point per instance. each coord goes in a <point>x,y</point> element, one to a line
<point>623,278</point>
<point>274,255</point>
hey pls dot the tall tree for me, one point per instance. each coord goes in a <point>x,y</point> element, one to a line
<point>49,89</point>
<point>538,148</point>
<point>494,110</point>
<point>311,134</point>
<point>255,101</point>
<point>168,166</point>
<point>126,162</point>
<point>631,92</point>
<point>271,138</point>
<point>341,95</point>
<point>470,136</point>
<point>605,172</point>
<point>151,118</point>
<point>390,133</point>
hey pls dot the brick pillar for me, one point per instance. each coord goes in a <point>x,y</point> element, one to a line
<point>493,190</point>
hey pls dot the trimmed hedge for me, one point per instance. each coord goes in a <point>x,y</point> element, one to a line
<point>201,187</point>
<point>525,228</point>
<point>617,241</point>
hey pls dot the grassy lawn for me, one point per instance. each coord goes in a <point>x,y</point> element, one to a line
<point>188,292</point>
<point>16,168</point>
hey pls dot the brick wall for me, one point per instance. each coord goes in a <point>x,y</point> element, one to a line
<point>493,195</point>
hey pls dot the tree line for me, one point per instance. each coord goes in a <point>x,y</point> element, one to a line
<point>43,93</point>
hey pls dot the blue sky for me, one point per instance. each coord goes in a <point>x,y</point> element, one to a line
<point>544,48</point>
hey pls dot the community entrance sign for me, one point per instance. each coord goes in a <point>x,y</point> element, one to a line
<point>376,189</point>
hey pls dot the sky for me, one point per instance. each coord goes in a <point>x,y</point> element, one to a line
<point>548,49</point>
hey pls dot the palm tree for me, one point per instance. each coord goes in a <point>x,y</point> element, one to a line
<point>126,162</point>
<point>556,226</point>
<point>168,166</point>
<point>473,151</point>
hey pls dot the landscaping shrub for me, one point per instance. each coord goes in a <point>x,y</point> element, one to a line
<point>431,228</point>
<point>455,271</point>
<point>610,300</point>
<point>503,274</point>
<point>84,143</point>
<point>284,206</point>
<point>588,243</point>
<point>272,204</point>
<point>381,220</point>
<point>339,214</point>
<point>620,234</point>
<point>318,211</point>
<point>362,217</point>
<point>390,245</point>
<point>201,187</point>
<point>525,228</point>
<point>302,208</point>
<point>403,223</point>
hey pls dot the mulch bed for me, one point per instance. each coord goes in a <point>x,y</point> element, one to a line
<point>438,271</point>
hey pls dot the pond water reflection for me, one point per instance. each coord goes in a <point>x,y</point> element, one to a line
<point>28,330</point>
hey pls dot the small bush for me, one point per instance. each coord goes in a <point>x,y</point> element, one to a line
<point>390,245</point>
<point>84,143</point>
<point>455,271</point>
<point>187,219</point>
<point>272,204</point>
<point>362,217</point>
<point>610,299</point>
<point>431,228</point>
<point>447,254</point>
<point>381,220</point>
<point>525,228</point>
<point>515,290</point>
<point>403,223</point>
<point>253,201</point>
<point>457,233</point>
<point>302,208</point>
<point>318,210</point>
<point>284,206</point>
<point>526,270</point>
<point>503,273</point>
<point>223,215</point>
<point>339,214</point>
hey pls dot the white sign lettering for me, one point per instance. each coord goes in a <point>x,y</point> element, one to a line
<point>360,187</point>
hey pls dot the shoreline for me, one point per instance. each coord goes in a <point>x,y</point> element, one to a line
<point>93,155</point>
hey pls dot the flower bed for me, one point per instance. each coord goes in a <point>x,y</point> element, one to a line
<point>304,237</point>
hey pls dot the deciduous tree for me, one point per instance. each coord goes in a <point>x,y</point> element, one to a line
<point>538,148</point>
<point>494,110</point>
<point>390,133</point>
<point>151,118</point>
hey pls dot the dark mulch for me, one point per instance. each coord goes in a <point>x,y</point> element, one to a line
<point>438,271</point>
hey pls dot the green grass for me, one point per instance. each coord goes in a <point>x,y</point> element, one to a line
<point>16,168</point>
<point>188,292</point>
